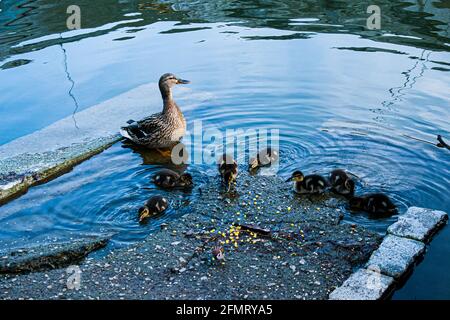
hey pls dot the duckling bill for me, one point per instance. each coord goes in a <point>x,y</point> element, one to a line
<point>341,183</point>
<point>265,157</point>
<point>168,179</point>
<point>228,170</point>
<point>154,206</point>
<point>311,184</point>
<point>376,203</point>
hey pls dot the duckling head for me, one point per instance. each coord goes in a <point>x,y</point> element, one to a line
<point>218,253</point>
<point>186,179</point>
<point>144,213</point>
<point>167,81</point>
<point>297,176</point>
<point>349,184</point>
<point>253,164</point>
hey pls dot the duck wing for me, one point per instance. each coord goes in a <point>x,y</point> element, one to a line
<point>143,130</point>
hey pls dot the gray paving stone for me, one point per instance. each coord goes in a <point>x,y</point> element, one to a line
<point>418,223</point>
<point>395,255</point>
<point>363,285</point>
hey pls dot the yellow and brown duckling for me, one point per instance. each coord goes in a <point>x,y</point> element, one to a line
<point>168,179</point>
<point>265,157</point>
<point>341,183</point>
<point>160,130</point>
<point>154,206</point>
<point>375,203</point>
<point>228,169</point>
<point>311,184</point>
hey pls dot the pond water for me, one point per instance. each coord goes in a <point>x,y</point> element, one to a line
<point>370,101</point>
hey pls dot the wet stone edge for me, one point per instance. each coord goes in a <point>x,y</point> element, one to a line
<point>15,182</point>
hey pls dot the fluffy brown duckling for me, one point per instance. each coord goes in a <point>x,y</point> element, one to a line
<point>228,170</point>
<point>311,184</point>
<point>154,206</point>
<point>376,203</point>
<point>265,157</point>
<point>341,183</point>
<point>167,178</point>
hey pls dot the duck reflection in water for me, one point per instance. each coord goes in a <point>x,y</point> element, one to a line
<point>153,156</point>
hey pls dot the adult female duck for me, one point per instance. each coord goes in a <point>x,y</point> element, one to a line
<point>160,130</point>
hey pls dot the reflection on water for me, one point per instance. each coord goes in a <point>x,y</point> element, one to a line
<point>370,101</point>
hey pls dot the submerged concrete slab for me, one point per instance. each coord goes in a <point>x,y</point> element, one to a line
<point>51,151</point>
<point>395,255</point>
<point>418,223</point>
<point>363,285</point>
<point>299,252</point>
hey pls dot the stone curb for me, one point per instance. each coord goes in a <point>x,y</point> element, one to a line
<point>363,285</point>
<point>50,256</point>
<point>418,223</point>
<point>399,251</point>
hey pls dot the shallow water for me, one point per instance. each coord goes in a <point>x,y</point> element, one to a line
<point>342,96</point>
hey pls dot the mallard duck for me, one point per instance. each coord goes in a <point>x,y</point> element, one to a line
<point>167,178</point>
<point>228,170</point>
<point>154,206</point>
<point>264,158</point>
<point>160,130</point>
<point>341,183</point>
<point>311,184</point>
<point>376,203</point>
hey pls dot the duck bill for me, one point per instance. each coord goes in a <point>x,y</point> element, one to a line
<point>182,81</point>
<point>289,179</point>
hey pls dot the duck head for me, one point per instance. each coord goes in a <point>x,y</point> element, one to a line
<point>167,81</point>
<point>297,176</point>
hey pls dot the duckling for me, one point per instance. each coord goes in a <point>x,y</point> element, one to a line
<point>341,183</point>
<point>228,170</point>
<point>160,130</point>
<point>218,252</point>
<point>264,158</point>
<point>377,203</point>
<point>312,184</point>
<point>154,206</point>
<point>167,178</point>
